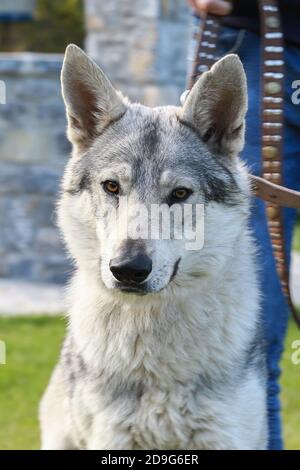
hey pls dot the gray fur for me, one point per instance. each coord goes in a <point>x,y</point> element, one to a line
<point>133,136</point>
<point>183,366</point>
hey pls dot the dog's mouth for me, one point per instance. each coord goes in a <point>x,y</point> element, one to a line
<point>175,270</point>
<point>143,288</point>
<point>127,289</point>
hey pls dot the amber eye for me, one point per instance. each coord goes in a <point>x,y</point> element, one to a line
<point>180,194</point>
<point>111,187</point>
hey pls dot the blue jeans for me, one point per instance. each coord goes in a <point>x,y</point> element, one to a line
<point>274,308</point>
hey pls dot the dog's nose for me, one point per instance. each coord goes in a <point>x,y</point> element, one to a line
<point>133,271</point>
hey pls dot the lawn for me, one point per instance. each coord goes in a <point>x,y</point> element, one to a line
<point>32,349</point>
<point>32,346</point>
<point>296,241</point>
<point>290,392</point>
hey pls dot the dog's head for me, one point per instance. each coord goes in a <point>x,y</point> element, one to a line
<point>139,176</point>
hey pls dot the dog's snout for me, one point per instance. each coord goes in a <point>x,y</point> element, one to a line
<point>133,271</point>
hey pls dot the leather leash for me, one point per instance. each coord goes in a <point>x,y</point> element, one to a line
<point>269,187</point>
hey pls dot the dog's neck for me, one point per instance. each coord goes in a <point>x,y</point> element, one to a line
<point>182,329</point>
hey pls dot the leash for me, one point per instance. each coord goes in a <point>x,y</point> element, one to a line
<point>269,186</point>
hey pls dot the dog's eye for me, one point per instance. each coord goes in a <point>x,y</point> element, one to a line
<point>111,187</point>
<point>181,194</point>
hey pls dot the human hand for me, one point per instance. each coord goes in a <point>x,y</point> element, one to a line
<point>215,7</point>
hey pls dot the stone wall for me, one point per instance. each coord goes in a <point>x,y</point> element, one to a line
<point>33,151</point>
<point>141,44</point>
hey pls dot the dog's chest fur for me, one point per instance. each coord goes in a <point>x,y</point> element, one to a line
<point>139,378</point>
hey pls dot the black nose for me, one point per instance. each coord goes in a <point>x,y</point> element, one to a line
<point>131,271</point>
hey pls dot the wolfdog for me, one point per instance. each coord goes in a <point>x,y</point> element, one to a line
<point>164,348</point>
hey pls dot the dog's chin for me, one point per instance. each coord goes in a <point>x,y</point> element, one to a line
<point>133,290</point>
<point>140,291</point>
<point>129,291</point>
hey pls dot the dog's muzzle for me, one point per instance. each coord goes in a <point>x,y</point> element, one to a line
<point>131,273</point>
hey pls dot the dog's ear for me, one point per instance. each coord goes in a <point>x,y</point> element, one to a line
<point>217,104</point>
<point>91,100</point>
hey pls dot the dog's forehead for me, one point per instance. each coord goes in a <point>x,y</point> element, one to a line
<point>151,149</point>
<point>149,140</point>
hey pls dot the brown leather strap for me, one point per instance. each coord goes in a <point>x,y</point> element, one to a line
<point>274,193</point>
<point>272,131</point>
<point>269,187</point>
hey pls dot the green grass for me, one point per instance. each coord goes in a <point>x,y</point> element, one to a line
<point>32,349</point>
<point>32,346</point>
<point>296,241</point>
<point>290,392</point>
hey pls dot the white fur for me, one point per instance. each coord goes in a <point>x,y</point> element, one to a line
<point>183,343</point>
<point>195,326</point>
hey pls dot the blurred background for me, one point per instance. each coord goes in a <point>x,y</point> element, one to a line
<point>142,46</point>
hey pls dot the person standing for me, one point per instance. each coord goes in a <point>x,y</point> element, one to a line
<point>240,34</point>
